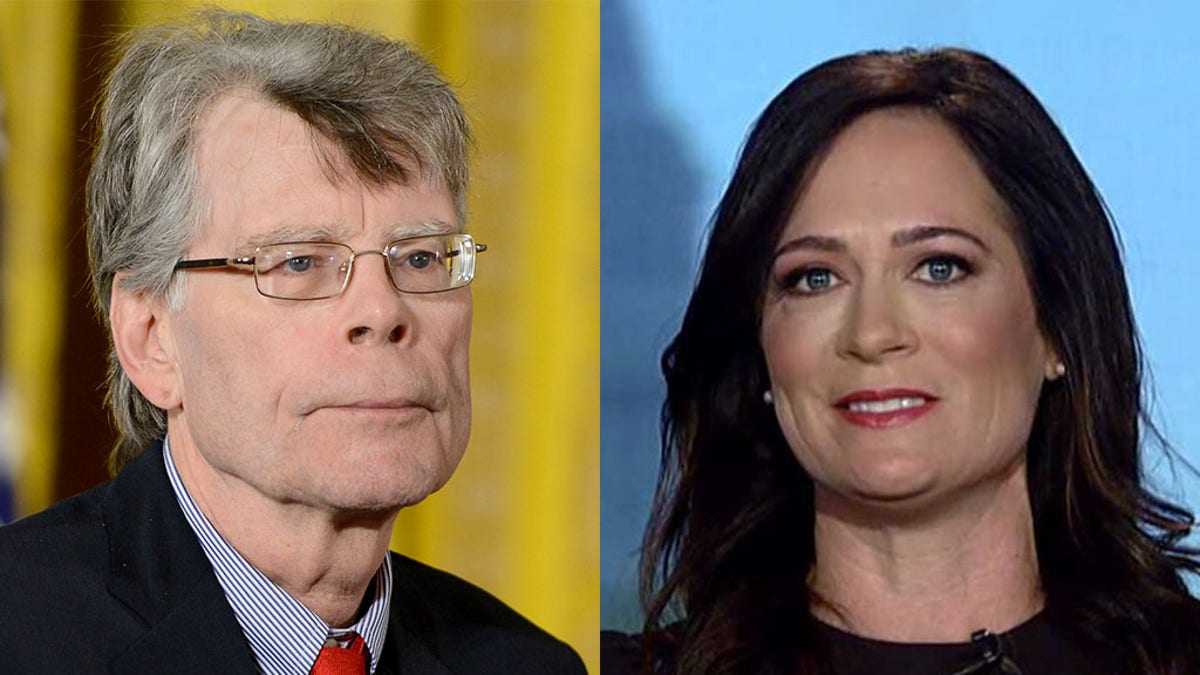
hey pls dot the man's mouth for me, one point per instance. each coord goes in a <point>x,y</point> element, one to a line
<point>394,404</point>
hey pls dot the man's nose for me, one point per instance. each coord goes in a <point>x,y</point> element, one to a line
<point>876,326</point>
<point>375,312</point>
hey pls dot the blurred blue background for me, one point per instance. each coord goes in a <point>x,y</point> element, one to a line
<point>681,83</point>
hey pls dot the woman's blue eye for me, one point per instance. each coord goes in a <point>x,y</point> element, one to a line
<point>817,279</point>
<point>810,281</point>
<point>943,269</point>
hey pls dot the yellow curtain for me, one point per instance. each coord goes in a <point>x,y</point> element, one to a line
<point>37,177</point>
<point>521,516</point>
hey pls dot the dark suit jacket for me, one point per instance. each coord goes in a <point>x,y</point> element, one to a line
<point>114,580</point>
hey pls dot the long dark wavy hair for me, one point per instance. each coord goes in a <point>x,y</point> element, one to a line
<point>730,541</point>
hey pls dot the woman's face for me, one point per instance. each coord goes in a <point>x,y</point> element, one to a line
<point>898,324</point>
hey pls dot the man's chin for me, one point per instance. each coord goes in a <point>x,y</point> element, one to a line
<point>381,491</point>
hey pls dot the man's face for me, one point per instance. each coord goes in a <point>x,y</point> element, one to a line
<point>355,403</point>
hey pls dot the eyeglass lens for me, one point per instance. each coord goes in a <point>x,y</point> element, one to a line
<point>314,270</point>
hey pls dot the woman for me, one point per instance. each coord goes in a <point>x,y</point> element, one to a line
<point>903,415</point>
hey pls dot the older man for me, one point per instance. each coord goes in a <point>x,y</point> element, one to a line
<point>276,236</point>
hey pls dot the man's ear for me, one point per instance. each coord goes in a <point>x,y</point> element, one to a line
<point>142,338</point>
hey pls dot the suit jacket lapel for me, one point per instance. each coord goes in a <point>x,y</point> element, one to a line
<point>411,645</point>
<point>200,636</point>
<point>158,570</point>
<point>403,652</point>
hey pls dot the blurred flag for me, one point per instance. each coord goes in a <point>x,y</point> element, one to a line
<point>8,450</point>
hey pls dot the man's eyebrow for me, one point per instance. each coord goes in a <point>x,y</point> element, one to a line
<point>289,233</point>
<point>420,229</point>
<point>921,233</point>
<point>333,233</point>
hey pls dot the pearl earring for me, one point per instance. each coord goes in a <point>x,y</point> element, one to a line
<point>1060,368</point>
<point>768,397</point>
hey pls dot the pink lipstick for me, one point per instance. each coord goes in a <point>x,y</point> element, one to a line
<point>884,408</point>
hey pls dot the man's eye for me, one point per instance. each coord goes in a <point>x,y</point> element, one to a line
<point>420,260</point>
<point>300,263</point>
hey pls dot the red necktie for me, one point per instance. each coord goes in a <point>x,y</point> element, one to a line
<point>349,660</point>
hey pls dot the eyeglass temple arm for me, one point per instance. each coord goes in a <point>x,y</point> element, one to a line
<point>212,262</point>
<point>479,248</point>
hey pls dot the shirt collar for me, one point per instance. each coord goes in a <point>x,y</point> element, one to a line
<point>284,635</point>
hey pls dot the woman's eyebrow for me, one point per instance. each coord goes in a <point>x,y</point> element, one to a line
<point>902,238</point>
<point>812,242</point>
<point>921,233</point>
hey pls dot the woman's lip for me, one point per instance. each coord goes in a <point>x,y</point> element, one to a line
<point>887,419</point>
<point>863,395</point>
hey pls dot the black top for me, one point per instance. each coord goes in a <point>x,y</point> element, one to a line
<point>1036,647</point>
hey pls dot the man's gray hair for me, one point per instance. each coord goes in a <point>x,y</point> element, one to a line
<point>384,107</point>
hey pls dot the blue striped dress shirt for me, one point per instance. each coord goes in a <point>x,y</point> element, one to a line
<point>284,635</point>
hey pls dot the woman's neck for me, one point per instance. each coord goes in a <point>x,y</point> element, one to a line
<point>931,574</point>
